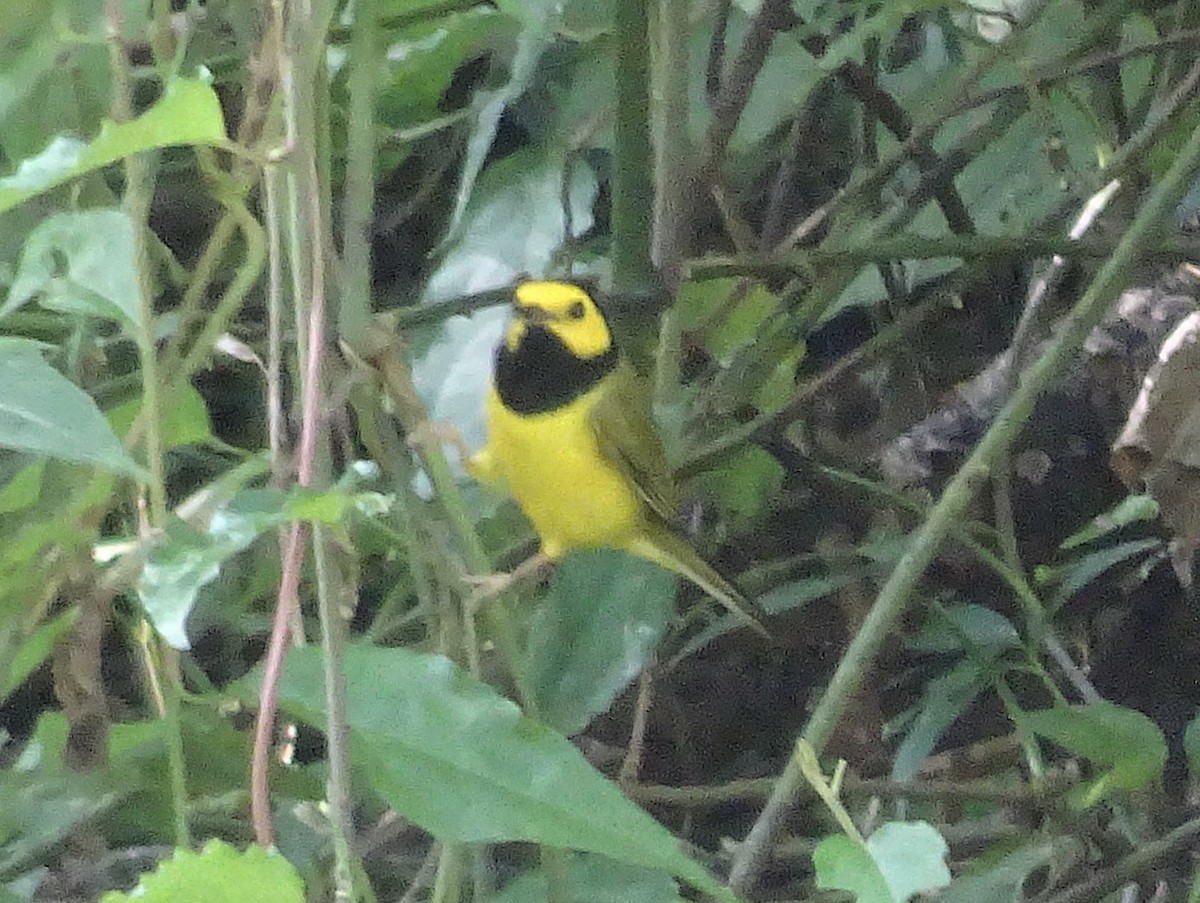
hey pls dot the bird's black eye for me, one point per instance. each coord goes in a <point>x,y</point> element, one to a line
<point>577,311</point>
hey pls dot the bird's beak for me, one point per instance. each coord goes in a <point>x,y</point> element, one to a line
<point>534,316</point>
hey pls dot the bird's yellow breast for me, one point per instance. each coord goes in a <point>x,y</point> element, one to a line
<point>554,468</point>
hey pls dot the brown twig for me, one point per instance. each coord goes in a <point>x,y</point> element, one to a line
<point>1137,863</point>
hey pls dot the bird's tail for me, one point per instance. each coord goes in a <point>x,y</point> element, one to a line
<point>671,551</point>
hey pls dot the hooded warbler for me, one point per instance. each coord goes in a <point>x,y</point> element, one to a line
<point>570,436</point>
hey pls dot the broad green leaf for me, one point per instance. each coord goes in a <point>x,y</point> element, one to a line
<point>911,856</point>
<point>432,52</point>
<point>842,863</point>
<point>218,872</point>
<point>81,263</point>
<point>184,419</point>
<point>594,632</point>
<point>532,42</point>
<point>24,488</point>
<point>741,322</point>
<point>453,373</point>
<point>22,889</point>
<point>699,301</point>
<point>44,413</point>
<point>594,879</point>
<point>985,629</point>
<point>745,483</point>
<point>174,573</point>
<point>187,559</point>
<point>945,698</point>
<point>1124,744</point>
<point>514,223</point>
<point>188,113</point>
<point>462,762</point>
<point>779,386</point>
<point>897,862</point>
<point>35,649</point>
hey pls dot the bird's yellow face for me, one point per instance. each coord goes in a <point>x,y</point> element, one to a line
<point>565,310</point>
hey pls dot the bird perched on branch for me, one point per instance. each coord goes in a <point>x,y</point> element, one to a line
<point>570,436</point>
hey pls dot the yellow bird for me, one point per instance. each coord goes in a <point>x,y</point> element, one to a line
<point>570,436</point>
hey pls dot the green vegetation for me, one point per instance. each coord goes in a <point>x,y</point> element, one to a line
<point>880,260</point>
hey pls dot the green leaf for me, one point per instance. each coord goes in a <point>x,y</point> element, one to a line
<point>911,856</point>
<point>594,879</point>
<point>983,628</point>
<point>1191,745</point>
<point>188,559</point>
<point>188,113</point>
<point>24,888</point>
<point>80,263</point>
<point>514,223</point>
<point>898,861</point>
<point>24,488</point>
<point>1130,510</point>
<point>184,419</point>
<point>35,650</point>
<point>746,482</point>
<point>218,872</point>
<point>729,311</point>
<point>453,373</point>
<point>43,412</point>
<point>595,631</point>
<point>777,389</point>
<point>175,571</point>
<point>462,762</point>
<point>842,863</point>
<point>433,52</point>
<point>741,323</point>
<point>1079,573</point>
<point>944,699</point>
<point>1124,743</point>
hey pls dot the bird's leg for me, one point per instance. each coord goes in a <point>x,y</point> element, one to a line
<point>488,586</point>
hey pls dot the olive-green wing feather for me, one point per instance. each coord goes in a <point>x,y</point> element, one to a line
<point>626,435</point>
<point>665,547</point>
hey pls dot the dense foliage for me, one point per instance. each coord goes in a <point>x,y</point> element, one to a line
<point>899,271</point>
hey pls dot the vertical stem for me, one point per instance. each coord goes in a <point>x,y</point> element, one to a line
<point>330,591</point>
<point>556,866</point>
<point>633,163</point>
<point>139,185</point>
<point>671,151</point>
<point>358,202</point>
<point>447,886</point>
<point>139,188</point>
<point>271,183</point>
<point>176,762</point>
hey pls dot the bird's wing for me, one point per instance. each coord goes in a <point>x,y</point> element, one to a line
<point>626,435</point>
